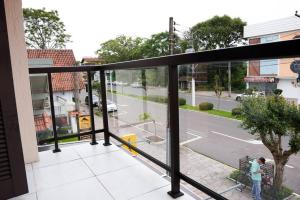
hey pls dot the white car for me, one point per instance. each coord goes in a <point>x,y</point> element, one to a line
<point>95,100</point>
<point>136,85</point>
<point>240,97</point>
<point>111,106</point>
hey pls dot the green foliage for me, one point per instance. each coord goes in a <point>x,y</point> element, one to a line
<point>43,135</point>
<point>217,32</point>
<point>273,194</point>
<point>145,116</point>
<point>181,101</point>
<point>249,91</point>
<point>236,112</point>
<point>272,118</point>
<point>268,192</point>
<point>158,45</point>
<point>122,48</point>
<point>206,106</point>
<point>44,29</point>
<point>277,92</point>
<point>63,130</point>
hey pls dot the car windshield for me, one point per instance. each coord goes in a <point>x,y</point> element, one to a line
<point>109,102</point>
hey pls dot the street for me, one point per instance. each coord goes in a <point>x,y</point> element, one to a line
<point>219,103</point>
<point>219,138</point>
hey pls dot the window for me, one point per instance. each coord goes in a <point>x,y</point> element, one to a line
<point>269,67</point>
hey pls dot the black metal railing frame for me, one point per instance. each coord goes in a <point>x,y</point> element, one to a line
<point>284,49</point>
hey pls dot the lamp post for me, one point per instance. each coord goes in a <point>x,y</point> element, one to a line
<point>192,50</point>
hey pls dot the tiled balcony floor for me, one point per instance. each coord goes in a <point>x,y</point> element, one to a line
<point>85,172</point>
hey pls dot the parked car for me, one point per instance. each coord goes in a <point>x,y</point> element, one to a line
<point>240,97</point>
<point>95,100</point>
<point>136,85</point>
<point>111,106</point>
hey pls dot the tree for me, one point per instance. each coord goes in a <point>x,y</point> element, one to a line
<point>220,32</point>
<point>158,45</point>
<point>122,48</point>
<point>217,32</point>
<point>44,30</point>
<point>274,119</point>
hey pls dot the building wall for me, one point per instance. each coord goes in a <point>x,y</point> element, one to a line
<point>289,90</point>
<point>21,79</point>
<point>285,63</point>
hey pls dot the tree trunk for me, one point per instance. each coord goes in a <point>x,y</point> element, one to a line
<point>279,169</point>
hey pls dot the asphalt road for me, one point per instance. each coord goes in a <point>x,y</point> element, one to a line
<point>219,138</point>
<point>219,103</point>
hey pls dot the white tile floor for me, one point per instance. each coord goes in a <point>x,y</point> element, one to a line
<point>85,172</point>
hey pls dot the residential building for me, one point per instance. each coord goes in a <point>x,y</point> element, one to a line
<point>64,87</point>
<point>267,75</point>
<point>92,61</point>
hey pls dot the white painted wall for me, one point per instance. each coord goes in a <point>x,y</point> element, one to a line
<point>289,90</point>
<point>59,108</point>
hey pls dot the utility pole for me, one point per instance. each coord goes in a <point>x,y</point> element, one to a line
<point>171,52</point>
<point>171,36</point>
<point>229,79</point>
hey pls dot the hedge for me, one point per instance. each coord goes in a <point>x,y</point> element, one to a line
<point>236,112</point>
<point>163,99</point>
<point>206,106</point>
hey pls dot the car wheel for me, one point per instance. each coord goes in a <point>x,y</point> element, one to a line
<point>238,98</point>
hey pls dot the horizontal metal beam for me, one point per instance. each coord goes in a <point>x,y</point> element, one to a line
<point>142,153</point>
<point>41,142</point>
<point>274,50</point>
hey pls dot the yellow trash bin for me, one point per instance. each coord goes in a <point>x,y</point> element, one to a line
<point>132,139</point>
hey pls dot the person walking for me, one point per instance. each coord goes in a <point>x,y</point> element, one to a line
<point>256,177</point>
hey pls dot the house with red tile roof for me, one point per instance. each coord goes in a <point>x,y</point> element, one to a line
<point>63,84</point>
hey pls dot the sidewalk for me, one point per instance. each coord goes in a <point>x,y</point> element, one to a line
<point>202,169</point>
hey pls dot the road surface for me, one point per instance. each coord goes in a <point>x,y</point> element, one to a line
<point>219,103</point>
<point>219,138</point>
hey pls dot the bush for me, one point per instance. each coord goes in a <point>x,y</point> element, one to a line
<point>206,106</point>
<point>181,101</point>
<point>159,99</point>
<point>268,192</point>
<point>271,194</point>
<point>277,91</point>
<point>43,135</point>
<point>63,130</point>
<point>236,112</point>
<point>163,99</point>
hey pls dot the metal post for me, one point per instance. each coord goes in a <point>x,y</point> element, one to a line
<point>56,149</point>
<point>171,51</point>
<point>104,108</point>
<point>91,105</point>
<point>174,132</point>
<point>229,79</point>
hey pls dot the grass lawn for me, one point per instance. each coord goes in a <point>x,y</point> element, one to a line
<point>73,139</point>
<point>221,113</point>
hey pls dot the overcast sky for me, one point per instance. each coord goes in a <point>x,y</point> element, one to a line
<point>91,22</point>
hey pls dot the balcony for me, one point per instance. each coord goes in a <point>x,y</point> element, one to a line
<point>82,171</point>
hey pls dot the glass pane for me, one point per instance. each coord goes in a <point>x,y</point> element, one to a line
<point>41,107</point>
<point>137,106</point>
<point>213,142</point>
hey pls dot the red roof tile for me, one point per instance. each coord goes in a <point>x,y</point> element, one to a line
<point>65,82</point>
<point>60,58</point>
<point>42,122</point>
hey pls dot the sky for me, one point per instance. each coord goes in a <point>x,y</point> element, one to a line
<point>92,22</point>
